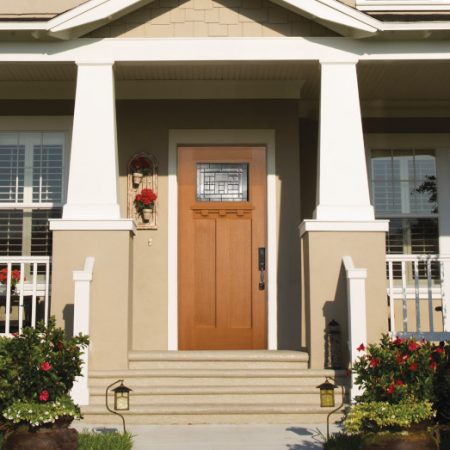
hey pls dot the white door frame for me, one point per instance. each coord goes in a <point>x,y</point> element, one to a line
<point>221,137</point>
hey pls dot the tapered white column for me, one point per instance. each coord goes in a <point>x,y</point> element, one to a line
<point>343,189</point>
<point>93,174</point>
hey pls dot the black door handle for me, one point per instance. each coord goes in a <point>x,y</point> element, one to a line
<point>261,267</point>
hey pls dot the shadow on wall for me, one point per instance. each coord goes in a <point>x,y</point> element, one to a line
<point>337,355</point>
<point>68,313</point>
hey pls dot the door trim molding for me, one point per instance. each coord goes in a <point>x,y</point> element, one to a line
<point>264,137</point>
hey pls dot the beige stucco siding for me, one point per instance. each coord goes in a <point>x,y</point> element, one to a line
<point>111,289</point>
<point>36,8</point>
<point>213,18</point>
<point>144,126</point>
<point>324,286</point>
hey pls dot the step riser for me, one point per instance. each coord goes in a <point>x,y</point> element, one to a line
<point>134,382</point>
<point>172,419</point>
<point>288,399</point>
<point>222,365</point>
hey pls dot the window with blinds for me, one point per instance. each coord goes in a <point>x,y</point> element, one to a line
<point>403,185</point>
<point>31,190</point>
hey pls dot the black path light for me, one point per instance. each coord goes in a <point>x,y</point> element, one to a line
<point>327,399</point>
<point>121,400</point>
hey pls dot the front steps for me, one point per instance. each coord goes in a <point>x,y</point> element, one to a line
<point>215,387</point>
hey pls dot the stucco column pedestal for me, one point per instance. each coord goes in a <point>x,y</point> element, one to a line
<point>324,283</point>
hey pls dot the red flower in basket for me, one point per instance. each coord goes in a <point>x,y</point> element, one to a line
<point>145,200</point>
<point>43,396</point>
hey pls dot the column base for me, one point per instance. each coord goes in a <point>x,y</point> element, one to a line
<point>92,225</point>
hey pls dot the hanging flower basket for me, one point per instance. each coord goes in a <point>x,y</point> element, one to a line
<point>144,203</point>
<point>137,178</point>
<point>147,214</point>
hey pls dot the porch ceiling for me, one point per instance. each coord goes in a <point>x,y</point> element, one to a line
<point>403,80</point>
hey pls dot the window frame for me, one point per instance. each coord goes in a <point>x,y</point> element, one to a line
<point>440,143</point>
<point>40,124</point>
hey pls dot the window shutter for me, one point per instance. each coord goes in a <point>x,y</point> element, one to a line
<point>11,229</point>
<point>12,164</point>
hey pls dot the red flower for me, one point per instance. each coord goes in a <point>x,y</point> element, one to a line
<point>433,365</point>
<point>43,396</point>
<point>399,383</point>
<point>374,362</point>
<point>390,390</point>
<point>412,367</point>
<point>412,346</point>
<point>45,366</point>
<point>361,348</point>
<point>439,350</point>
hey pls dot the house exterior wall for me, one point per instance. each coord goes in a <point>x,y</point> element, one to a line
<point>211,18</point>
<point>144,126</point>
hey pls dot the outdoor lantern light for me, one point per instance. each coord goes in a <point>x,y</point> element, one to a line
<point>326,394</point>
<point>327,399</point>
<point>121,400</point>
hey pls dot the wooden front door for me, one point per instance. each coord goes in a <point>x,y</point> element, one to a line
<point>221,227</point>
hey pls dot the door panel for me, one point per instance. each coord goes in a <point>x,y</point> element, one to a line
<point>220,304</point>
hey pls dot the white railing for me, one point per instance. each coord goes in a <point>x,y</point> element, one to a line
<point>356,307</point>
<point>24,292</point>
<point>418,291</point>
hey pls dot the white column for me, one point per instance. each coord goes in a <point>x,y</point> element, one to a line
<point>357,321</point>
<point>82,280</point>
<point>443,188</point>
<point>343,189</point>
<point>93,173</point>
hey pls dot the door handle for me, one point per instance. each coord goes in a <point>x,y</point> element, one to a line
<point>261,267</point>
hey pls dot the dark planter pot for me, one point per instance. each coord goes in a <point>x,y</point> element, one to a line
<point>42,439</point>
<point>406,440</point>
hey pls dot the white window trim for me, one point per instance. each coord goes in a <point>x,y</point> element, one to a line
<point>40,124</point>
<point>441,144</point>
<point>221,137</point>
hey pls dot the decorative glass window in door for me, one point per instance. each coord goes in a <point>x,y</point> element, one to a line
<point>222,182</point>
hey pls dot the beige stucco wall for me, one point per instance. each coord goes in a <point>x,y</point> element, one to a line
<point>324,286</point>
<point>144,126</point>
<point>214,18</point>
<point>111,289</point>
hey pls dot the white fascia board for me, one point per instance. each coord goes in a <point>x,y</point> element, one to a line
<point>333,11</point>
<point>222,50</point>
<point>22,25</point>
<point>417,26</point>
<point>91,11</point>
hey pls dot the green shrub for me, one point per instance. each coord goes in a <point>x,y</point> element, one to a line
<point>342,441</point>
<point>379,416</point>
<point>395,370</point>
<point>441,386</point>
<point>104,441</point>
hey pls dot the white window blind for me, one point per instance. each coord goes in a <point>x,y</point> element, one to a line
<point>31,190</point>
<point>396,178</point>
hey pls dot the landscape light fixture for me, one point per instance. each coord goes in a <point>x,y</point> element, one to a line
<point>121,400</point>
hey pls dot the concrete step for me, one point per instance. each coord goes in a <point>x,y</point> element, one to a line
<point>211,413</point>
<point>259,359</point>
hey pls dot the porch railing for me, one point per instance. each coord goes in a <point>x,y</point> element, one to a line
<point>418,296</point>
<point>24,292</point>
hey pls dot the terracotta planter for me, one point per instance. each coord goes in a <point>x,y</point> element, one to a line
<point>405,440</point>
<point>42,439</point>
<point>147,214</point>
<point>137,178</point>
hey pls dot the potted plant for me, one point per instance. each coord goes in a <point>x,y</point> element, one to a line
<point>15,278</point>
<point>396,409</point>
<point>139,168</point>
<point>37,371</point>
<point>144,203</point>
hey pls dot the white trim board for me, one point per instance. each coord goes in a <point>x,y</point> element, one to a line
<point>221,137</point>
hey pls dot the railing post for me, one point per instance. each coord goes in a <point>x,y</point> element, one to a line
<point>445,290</point>
<point>357,322</point>
<point>82,279</point>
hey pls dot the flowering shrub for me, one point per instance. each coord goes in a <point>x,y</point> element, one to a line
<point>141,165</point>
<point>38,414</point>
<point>378,416</point>
<point>15,277</point>
<point>145,199</point>
<point>38,366</point>
<point>399,369</point>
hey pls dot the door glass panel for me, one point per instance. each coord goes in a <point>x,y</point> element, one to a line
<point>222,182</point>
